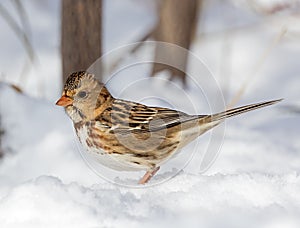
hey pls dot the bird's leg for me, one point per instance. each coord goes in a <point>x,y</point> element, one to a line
<point>148,175</point>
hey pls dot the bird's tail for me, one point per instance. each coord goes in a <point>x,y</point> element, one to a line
<point>236,111</point>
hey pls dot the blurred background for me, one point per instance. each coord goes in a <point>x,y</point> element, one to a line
<point>39,50</point>
<point>251,47</point>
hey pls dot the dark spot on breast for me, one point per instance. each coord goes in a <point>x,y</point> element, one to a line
<point>116,152</point>
<point>88,142</point>
<point>145,155</point>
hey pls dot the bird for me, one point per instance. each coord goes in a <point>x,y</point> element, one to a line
<point>129,136</point>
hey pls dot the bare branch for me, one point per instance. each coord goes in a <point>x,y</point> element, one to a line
<point>19,32</point>
<point>258,65</point>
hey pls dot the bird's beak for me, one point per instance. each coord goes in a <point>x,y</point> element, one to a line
<point>64,101</point>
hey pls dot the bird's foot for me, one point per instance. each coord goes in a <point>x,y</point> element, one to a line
<point>148,175</point>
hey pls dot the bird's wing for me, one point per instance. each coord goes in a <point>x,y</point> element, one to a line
<point>128,117</point>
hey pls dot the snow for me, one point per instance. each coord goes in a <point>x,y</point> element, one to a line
<point>254,181</point>
<point>246,200</point>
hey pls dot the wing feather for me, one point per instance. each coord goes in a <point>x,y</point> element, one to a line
<point>141,118</point>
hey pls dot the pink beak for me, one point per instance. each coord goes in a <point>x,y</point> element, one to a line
<point>64,101</point>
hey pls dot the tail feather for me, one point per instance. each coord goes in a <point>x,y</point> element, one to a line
<point>240,110</point>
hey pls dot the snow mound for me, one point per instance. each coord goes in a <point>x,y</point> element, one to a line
<point>247,200</point>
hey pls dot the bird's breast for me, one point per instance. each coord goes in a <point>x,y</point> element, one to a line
<point>96,142</point>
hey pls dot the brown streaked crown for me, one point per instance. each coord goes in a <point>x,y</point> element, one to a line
<point>74,79</point>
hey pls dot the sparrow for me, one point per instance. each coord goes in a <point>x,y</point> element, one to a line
<point>127,136</point>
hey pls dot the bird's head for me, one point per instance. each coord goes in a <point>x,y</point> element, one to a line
<point>83,96</point>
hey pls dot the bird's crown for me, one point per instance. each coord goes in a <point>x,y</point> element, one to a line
<point>74,80</point>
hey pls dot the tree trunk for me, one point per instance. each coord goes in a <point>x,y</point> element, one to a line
<point>177,25</point>
<point>81,34</point>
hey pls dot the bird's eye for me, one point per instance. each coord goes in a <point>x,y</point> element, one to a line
<point>82,94</point>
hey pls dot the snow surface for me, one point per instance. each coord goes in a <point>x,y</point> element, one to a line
<point>255,182</point>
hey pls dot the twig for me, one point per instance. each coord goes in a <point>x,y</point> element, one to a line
<point>22,34</point>
<point>132,51</point>
<point>274,8</point>
<point>19,32</point>
<point>267,20</point>
<point>26,30</point>
<point>258,65</point>
<point>226,63</point>
<point>23,17</point>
